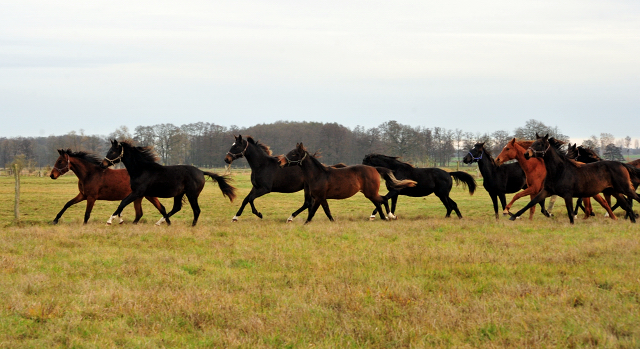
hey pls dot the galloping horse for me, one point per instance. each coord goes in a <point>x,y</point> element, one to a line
<point>148,178</point>
<point>587,156</point>
<point>340,183</point>
<point>499,180</point>
<point>267,175</point>
<point>429,180</point>
<point>568,179</point>
<point>95,183</point>
<point>535,171</point>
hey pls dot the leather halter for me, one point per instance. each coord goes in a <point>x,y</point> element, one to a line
<point>66,168</point>
<point>240,154</point>
<point>296,162</point>
<point>114,161</point>
<point>473,158</point>
<point>536,152</point>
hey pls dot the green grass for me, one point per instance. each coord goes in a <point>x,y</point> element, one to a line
<point>420,281</point>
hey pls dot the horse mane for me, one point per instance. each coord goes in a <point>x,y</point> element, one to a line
<point>557,144</point>
<point>83,155</point>
<point>264,147</point>
<point>524,143</point>
<point>314,157</point>
<point>143,154</point>
<point>590,152</point>
<point>486,151</point>
<point>390,158</point>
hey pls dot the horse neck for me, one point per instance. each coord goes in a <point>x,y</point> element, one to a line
<point>530,165</point>
<point>311,168</point>
<point>486,165</point>
<point>130,164</point>
<point>81,168</point>
<point>554,163</point>
<point>255,156</point>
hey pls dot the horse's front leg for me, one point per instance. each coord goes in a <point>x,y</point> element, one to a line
<point>541,196</point>
<point>313,209</point>
<point>494,199</point>
<point>87,212</point>
<point>568,201</point>
<point>605,204</point>
<point>308,201</point>
<point>327,211</point>
<point>126,201</point>
<point>69,203</point>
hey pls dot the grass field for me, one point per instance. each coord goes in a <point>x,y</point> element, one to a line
<point>420,281</point>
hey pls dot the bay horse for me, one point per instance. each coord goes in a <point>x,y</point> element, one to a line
<point>149,178</point>
<point>429,181</point>
<point>499,180</point>
<point>535,171</point>
<point>267,176</point>
<point>587,156</point>
<point>340,183</point>
<point>95,183</point>
<point>569,179</point>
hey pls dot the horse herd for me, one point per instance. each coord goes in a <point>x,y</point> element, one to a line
<point>543,169</point>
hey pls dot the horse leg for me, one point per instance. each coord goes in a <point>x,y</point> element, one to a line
<point>532,210</point>
<point>578,206</point>
<point>538,198</point>
<point>193,201</point>
<point>327,211</point>
<point>454,206</point>
<point>253,194</point>
<point>605,205</point>
<point>568,201</point>
<point>447,204</point>
<point>126,201</point>
<point>137,206</point>
<point>378,204</point>
<point>494,198</point>
<point>308,201</point>
<point>69,203</point>
<point>156,203</point>
<point>87,211</point>
<point>313,209</point>
<point>625,205</point>
<point>385,202</point>
<point>588,209</point>
<point>529,191</point>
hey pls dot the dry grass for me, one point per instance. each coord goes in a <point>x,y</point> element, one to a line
<point>421,281</point>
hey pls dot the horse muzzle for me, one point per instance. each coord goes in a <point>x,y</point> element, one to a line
<point>228,159</point>
<point>104,164</point>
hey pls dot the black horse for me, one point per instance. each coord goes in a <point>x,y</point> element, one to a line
<point>148,178</point>
<point>569,179</point>
<point>267,176</point>
<point>430,180</point>
<point>498,180</point>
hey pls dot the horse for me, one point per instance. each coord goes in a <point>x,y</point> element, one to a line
<point>498,180</point>
<point>587,156</point>
<point>149,178</point>
<point>95,183</point>
<point>429,180</point>
<point>266,174</point>
<point>569,179</point>
<point>535,171</point>
<point>340,183</point>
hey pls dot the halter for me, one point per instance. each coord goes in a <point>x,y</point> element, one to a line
<point>240,154</point>
<point>298,162</point>
<point>66,168</point>
<point>473,158</point>
<point>114,161</point>
<point>536,152</point>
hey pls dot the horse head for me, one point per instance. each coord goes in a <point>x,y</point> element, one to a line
<point>294,157</point>
<point>237,150</point>
<point>474,153</point>
<point>509,152</point>
<point>538,148</point>
<point>62,164</point>
<point>114,155</point>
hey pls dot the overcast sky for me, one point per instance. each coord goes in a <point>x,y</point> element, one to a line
<point>479,66</point>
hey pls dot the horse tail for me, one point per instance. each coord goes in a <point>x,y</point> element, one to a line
<point>634,173</point>
<point>223,182</point>
<point>466,179</point>
<point>391,180</point>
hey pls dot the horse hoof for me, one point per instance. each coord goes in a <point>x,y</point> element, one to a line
<point>159,222</point>
<point>290,219</point>
<point>513,218</point>
<point>606,215</point>
<point>372,218</point>
<point>234,219</point>
<point>392,216</point>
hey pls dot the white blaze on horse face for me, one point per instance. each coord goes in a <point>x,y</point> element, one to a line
<point>234,143</point>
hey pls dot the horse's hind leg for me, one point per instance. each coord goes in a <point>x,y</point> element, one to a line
<point>313,209</point>
<point>87,211</point>
<point>494,199</point>
<point>193,201</point>
<point>308,201</point>
<point>327,211</point>
<point>69,203</point>
<point>603,203</point>
<point>625,206</point>
<point>568,201</point>
<point>446,201</point>
<point>137,206</point>
<point>454,206</point>
<point>156,203</point>
<point>177,206</point>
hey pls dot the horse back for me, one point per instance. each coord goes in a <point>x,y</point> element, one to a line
<point>110,185</point>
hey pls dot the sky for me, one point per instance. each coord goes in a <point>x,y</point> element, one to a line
<point>479,66</point>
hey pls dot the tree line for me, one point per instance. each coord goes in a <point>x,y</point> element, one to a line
<point>205,144</point>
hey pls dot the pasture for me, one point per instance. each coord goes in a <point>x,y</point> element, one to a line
<point>420,281</point>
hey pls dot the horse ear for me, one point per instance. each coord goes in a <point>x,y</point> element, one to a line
<point>513,141</point>
<point>546,136</point>
<point>239,138</point>
<point>60,151</point>
<point>300,146</point>
<point>481,144</point>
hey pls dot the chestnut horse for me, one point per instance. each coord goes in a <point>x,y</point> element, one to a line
<point>340,183</point>
<point>95,183</point>
<point>569,179</point>
<point>536,172</point>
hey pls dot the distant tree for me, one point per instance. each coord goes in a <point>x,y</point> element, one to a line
<point>605,139</point>
<point>589,143</point>
<point>531,127</point>
<point>613,153</point>
<point>627,145</point>
<point>500,139</point>
<point>121,134</point>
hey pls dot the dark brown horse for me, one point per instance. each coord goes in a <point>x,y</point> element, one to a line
<point>149,178</point>
<point>569,179</point>
<point>340,183</point>
<point>96,183</point>
<point>266,174</point>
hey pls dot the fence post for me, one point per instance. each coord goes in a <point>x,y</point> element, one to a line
<point>16,209</point>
